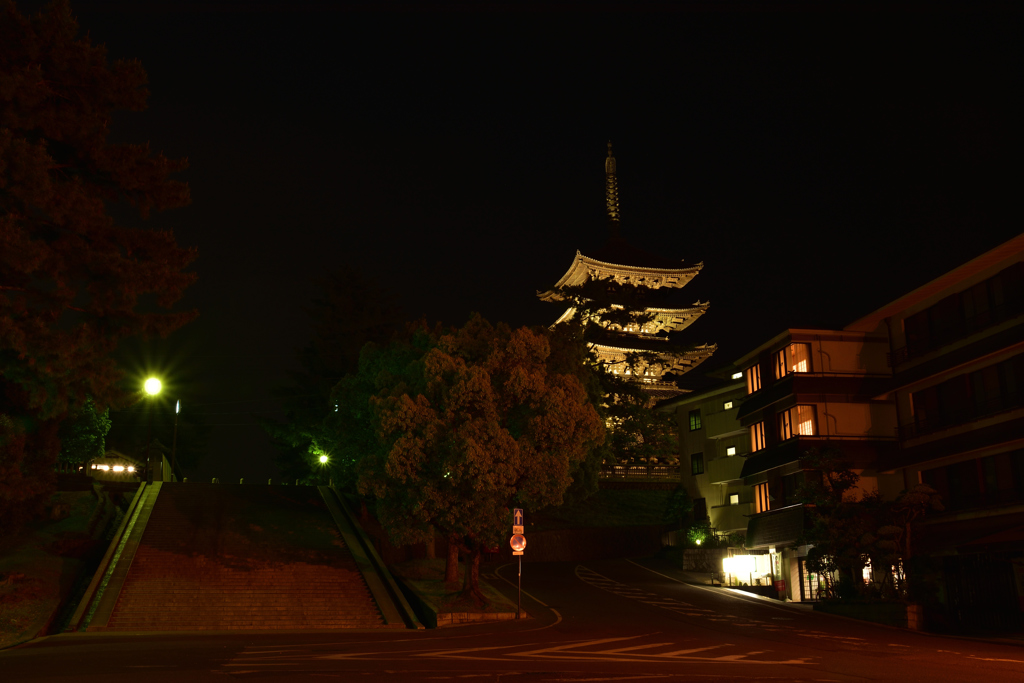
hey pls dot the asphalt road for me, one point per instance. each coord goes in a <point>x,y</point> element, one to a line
<point>615,620</point>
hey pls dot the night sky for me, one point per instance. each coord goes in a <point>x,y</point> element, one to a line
<point>819,164</point>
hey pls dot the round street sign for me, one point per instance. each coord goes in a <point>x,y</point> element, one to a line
<point>518,542</point>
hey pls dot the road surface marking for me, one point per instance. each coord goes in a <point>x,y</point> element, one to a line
<point>989,659</point>
<point>676,653</point>
<point>635,647</point>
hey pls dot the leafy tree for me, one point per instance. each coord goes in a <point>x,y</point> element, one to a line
<point>840,521</point>
<point>848,530</point>
<point>679,508</point>
<point>602,311</point>
<point>82,434</point>
<point>350,310</point>
<point>454,437</point>
<point>890,543</point>
<point>73,281</point>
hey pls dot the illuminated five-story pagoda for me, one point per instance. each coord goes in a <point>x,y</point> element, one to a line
<point>621,296</point>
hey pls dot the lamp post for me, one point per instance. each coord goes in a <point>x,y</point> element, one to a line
<point>174,441</point>
<point>152,386</point>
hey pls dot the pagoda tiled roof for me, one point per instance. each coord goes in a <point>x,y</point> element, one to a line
<point>656,273</point>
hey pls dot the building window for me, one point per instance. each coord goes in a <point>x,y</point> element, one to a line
<point>793,358</point>
<point>695,420</point>
<point>797,421</point>
<point>753,378</point>
<point>761,503</point>
<point>734,499</point>
<point>697,463</point>
<point>757,436</point>
<point>727,405</point>
<point>731,450</point>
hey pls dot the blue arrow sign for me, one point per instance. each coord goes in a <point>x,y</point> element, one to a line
<point>517,516</point>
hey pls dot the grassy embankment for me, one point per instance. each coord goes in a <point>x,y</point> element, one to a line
<point>40,566</point>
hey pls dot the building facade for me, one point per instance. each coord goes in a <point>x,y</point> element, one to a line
<point>712,449</point>
<point>810,390</point>
<point>956,357</point>
<point>928,389</point>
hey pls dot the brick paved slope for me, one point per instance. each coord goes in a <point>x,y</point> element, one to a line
<point>230,557</point>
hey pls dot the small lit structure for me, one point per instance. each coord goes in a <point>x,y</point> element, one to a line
<point>114,466</point>
<point>750,569</point>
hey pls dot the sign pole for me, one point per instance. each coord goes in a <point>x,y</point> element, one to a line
<point>519,604</point>
<point>518,543</point>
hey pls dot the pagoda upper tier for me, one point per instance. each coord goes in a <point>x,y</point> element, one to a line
<point>585,268</point>
<point>665,319</point>
<point>646,352</point>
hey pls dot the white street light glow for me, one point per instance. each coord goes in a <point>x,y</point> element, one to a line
<point>323,459</point>
<point>153,386</point>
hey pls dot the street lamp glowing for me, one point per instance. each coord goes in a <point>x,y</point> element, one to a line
<point>323,459</point>
<point>152,386</point>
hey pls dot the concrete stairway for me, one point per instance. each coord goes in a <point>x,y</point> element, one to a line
<point>233,557</point>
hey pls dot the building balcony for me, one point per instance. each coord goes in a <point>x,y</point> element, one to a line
<point>721,470</point>
<point>925,425</point>
<point>961,330</point>
<point>731,518</point>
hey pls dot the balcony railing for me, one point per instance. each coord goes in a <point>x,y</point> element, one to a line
<point>963,328</point>
<point>635,472</point>
<point>969,413</point>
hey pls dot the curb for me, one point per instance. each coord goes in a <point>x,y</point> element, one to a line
<point>431,618</point>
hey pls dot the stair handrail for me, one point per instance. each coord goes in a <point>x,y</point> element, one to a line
<point>90,592</point>
<point>394,592</point>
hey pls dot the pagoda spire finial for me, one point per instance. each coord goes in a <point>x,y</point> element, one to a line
<point>611,193</point>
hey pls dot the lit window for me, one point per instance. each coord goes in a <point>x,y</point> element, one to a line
<point>695,420</point>
<point>731,450</point>
<point>734,499</point>
<point>761,500</point>
<point>727,405</point>
<point>757,436</point>
<point>737,375</point>
<point>119,468</point>
<point>793,358</point>
<point>797,421</point>
<point>753,379</point>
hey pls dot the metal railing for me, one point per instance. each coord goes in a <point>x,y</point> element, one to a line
<point>963,415</point>
<point>640,472</point>
<point>963,328</point>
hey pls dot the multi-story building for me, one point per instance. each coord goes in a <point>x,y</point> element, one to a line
<point>956,350</point>
<point>927,389</point>
<point>712,450</point>
<point>810,389</point>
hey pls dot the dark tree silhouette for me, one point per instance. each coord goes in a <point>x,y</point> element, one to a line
<point>73,281</point>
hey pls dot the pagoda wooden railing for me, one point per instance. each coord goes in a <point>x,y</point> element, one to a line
<point>634,472</point>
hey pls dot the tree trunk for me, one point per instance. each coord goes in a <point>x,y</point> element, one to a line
<point>471,584</point>
<point>451,563</point>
